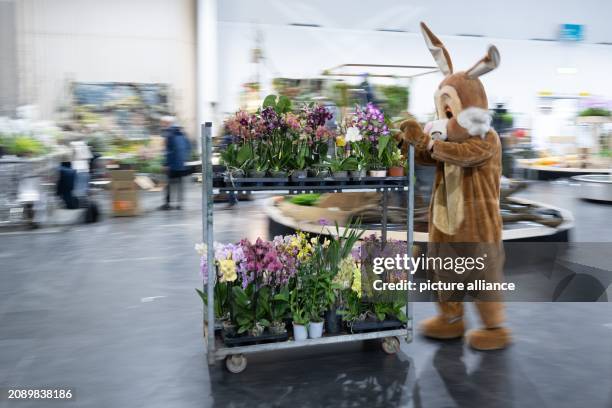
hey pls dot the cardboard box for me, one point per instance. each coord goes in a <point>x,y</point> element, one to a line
<point>124,193</point>
<point>125,203</point>
<point>122,175</point>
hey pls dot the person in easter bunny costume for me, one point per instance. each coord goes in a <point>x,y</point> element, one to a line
<point>464,215</point>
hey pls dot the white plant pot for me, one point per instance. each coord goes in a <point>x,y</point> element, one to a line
<point>378,173</point>
<point>315,330</point>
<point>299,332</point>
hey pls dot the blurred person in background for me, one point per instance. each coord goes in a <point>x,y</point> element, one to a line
<point>66,181</point>
<point>178,150</point>
<point>367,88</point>
<point>81,156</point>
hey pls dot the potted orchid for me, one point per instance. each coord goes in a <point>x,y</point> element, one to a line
<point>241,155</point>
<point>370,121</point>
<point>298,315</point>
<point>317,135</point>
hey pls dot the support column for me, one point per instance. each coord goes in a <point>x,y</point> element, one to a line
<point>207,61</point>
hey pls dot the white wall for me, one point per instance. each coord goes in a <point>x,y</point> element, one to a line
<point>527,67</point>
<point>112,40</point>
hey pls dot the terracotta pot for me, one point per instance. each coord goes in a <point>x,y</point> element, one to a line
<point>396,171</point>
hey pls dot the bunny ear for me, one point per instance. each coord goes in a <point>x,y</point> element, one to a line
<point>487,64</point>
<point>437,49</point>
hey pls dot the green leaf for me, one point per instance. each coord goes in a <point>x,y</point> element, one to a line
<point>243,320</point>
<point>270,100</point>
<point>240,297</point>
<point>203,296</point>
<point>383,141</point>
<point>283,105</point>
<point>284,297</point>
<point>245,153</point>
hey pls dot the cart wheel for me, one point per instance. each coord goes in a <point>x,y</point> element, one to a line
<point>235,363</point>
<point>391,345</point>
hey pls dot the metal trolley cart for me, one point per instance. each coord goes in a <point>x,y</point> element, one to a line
<point>24,190</point>
<point>235,357</point>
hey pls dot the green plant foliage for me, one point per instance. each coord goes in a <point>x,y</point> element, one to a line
<point>21,145</point>
<point>394,99</point>
<point>247,310</point>
<point>305,199</point>
<point>595,112</point>
<point>384,310</point>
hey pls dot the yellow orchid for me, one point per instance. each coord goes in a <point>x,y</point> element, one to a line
<point>227,270</point>
<point>340,142</point>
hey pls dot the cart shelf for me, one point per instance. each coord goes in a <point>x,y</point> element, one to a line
<point>212,184</point>
<point>223,184</point>
<point>222,351</point>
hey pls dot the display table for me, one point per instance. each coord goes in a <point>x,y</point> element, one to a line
<point>281,222</point>
<point>596,187</point>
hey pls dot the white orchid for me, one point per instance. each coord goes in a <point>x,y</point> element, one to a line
<point>201,248</point>
<point>353,135</point>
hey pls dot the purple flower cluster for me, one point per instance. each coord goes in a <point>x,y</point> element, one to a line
<point>315,116</point>
<point>271,119</point>
<point>245,126</point>
<point>288,257</point>
<point>370,122</point>
<point>261,261</point>
<point>270,263</point>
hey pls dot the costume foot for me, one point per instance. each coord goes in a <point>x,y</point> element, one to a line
<point>441,328</point>
<point>164,207</point>
<point>489,339</point>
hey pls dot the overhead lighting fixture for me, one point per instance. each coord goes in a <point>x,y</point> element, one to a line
<point>567,70</point>
<point>542,39</point>
<point>470,35</point>
<point>392,30</point>
<point>304,25</point>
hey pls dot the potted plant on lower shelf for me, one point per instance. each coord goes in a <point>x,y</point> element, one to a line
<point>276,307</point>
<point>298,315</point>
<point>248,312</point>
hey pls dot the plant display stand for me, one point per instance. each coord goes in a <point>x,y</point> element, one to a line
<point>235,357</point>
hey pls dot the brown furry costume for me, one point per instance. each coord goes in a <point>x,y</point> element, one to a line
<point>464,207</point>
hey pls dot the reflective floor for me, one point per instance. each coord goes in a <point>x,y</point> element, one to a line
<point>109,310</point>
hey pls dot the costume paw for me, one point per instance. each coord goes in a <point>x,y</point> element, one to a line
<point>441,328</point>
<point>489,339</point>
<point>413,134</point>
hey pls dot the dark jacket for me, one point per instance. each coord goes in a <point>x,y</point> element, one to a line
<point>65,185</point>
<point>178,148</point>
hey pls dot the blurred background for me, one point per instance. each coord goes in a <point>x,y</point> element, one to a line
<point>104,73</point>
<point>91,91</point>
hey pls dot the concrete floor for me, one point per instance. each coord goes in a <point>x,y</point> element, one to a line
<point>109,310</point>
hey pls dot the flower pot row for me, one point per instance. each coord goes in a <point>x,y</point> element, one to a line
<point>298,175</point>
<point>298,283</point>
<point>331,325</point>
